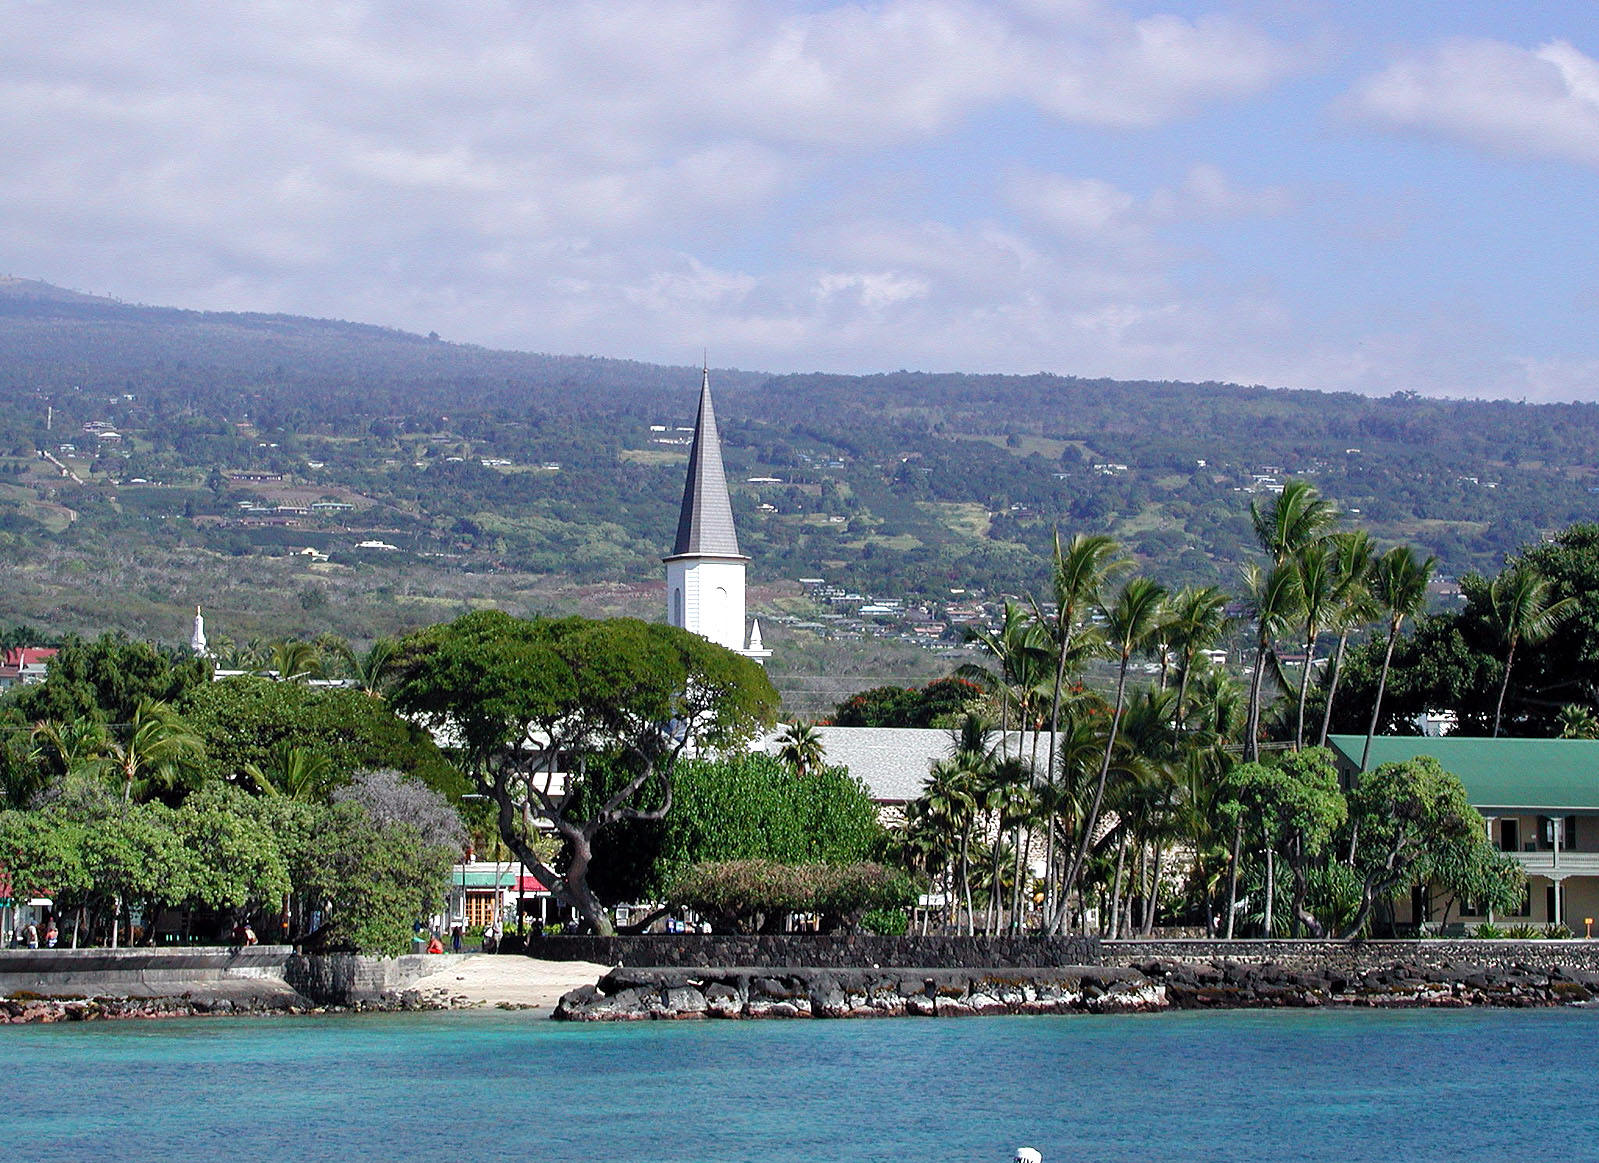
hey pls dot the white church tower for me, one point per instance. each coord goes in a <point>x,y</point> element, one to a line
<point>705,573</point>
<point>197,642</point>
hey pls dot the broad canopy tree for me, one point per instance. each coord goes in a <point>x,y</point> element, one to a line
<point>528,700</point>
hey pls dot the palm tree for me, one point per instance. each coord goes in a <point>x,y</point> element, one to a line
<point>1521,609</point>
<point>293,773</point>
<point>800,746</point>
<point>951,801</point>
<point>1315,567</point>
<point>1131,621</point>
<point>373,669</point>
<point>1076,581</point>
<point>1578,722</point>
<point>1273,595</point>
<point>1198,619</point>
<point>1296,517</point>
<point>1399,585</point>
<point>67,746</point>
<point>159,748</point>
<point>291,661</point>
<point>1355,606</point>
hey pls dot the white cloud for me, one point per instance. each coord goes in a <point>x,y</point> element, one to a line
<point>1542,102</point>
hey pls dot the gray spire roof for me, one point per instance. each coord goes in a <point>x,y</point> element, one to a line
<point>705,523</point>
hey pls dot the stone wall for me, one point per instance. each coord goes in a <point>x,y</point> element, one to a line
<point>1356,957</point>
<point>257,973</point>
<point>140,972</point>
<point>351,978</point>
<point>821,951</point>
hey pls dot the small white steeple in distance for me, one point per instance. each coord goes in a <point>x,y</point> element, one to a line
<point>756,649</point>
<point>197,642</point>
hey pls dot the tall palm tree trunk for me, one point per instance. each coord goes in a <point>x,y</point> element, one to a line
<point>1332,688</point>
<point>1154,892</point>
<point>1304,690</point>
<point>1504,685</point>
<point>1382,686</point>
<point>1252,728</point>
<point>1271,888</point>
<point>1116,886</point>
<point>1232,877</point>
<point>1092,819</point>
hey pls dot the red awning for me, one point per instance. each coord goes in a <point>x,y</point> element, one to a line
<point>530,884</point>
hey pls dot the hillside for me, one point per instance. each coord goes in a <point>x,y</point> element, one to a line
<point>198,456</point>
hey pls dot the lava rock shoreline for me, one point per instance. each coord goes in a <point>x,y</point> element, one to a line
<point>693,993</point>
<point>626,994</point>
<point>26,1010</point>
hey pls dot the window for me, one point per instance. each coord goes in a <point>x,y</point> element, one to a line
<point>677,606</point>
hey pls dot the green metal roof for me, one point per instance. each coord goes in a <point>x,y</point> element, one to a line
<point>1535,775</point>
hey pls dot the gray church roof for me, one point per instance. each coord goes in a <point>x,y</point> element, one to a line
<point>705,523</point>
<point>893,762</point>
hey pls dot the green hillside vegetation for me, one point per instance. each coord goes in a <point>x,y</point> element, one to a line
<point>198,456</point>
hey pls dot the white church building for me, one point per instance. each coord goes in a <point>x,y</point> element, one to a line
<point>705,571</point>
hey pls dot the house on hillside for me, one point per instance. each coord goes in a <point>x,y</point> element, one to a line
<point>1540,799</point>
<point>25,665</point>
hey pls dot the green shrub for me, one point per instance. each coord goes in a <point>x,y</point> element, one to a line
<point>886,922</point>
<point>1488,931</point>
<point>1524,933</point>
<point>744,896</point>
<point>1557,932</point>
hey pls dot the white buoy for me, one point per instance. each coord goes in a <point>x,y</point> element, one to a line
<point>1028,1155</point>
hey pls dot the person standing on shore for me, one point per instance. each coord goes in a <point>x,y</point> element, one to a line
<point>31,935</point>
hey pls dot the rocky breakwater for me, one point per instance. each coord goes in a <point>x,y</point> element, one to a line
<point>1224,984</point>
<point>638,994</point>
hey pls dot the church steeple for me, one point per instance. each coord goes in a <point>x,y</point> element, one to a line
<point>705,572</point>
<point>705,522</point>
<point>197,642</point>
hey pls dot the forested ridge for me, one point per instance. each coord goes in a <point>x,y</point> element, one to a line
<point>187,444</point>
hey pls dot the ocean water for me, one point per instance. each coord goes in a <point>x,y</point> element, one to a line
<point>1277,1085</point>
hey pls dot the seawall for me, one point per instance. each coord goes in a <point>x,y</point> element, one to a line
<point>802,975</point>
<point>49,984</point>
<point>820,951</point>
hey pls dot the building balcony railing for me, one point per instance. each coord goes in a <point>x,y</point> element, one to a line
<point>1550,863</point>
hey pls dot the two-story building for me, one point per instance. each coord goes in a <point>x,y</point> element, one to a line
<point>1540,801</point>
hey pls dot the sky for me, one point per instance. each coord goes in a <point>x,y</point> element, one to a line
<point>1332,194</point>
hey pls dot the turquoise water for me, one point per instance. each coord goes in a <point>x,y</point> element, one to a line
<point>1417,1085</point>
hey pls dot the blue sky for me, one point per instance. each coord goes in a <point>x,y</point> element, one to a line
<point>1349,196</point>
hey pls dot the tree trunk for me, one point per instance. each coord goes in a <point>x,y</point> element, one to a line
<point>1382,685</point>
<point>966,877</point>
<point>1304,689</point>
<point>1017,889</point>
<point>1332,688</point>
<point>1154,892</point>
<point>1232,877</point>
<point>1092,819</point>
<point>1051,775</point>
<point>1271,890</point>
<point>1504,685</point>
<point>577,884</point>
<point>1116,886</point>
<point>1252,723</point>
<point>1182,698</point>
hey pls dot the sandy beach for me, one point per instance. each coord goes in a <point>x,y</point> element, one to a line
<point>485,979</point>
